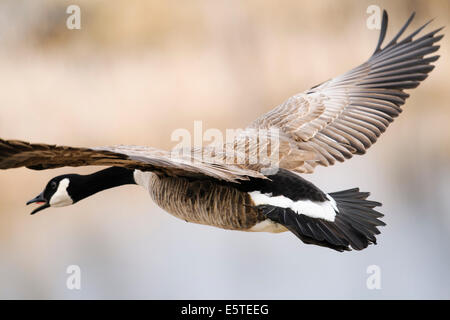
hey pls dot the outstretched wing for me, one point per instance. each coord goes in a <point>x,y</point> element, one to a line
<point>345,115</point>
<point>14,154</point>
<point>329,122</point>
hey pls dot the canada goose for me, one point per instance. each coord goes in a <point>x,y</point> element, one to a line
<point>331,121</point>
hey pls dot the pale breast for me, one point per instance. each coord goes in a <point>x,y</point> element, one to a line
<point>201,201</point>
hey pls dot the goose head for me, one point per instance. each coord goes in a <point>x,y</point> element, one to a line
<point>59,192</point>
<point>68,189</point>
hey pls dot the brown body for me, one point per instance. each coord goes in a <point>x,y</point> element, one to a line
<point>204,202</point>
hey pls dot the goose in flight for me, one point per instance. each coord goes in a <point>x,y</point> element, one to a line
<point>330,122</point>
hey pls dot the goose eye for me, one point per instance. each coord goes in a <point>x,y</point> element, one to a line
<point>53,185</point>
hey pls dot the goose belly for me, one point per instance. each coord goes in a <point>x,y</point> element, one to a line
<point>202,201</point>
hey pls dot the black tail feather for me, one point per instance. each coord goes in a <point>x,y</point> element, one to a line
<point>356,213</point>
<point>355,225</point>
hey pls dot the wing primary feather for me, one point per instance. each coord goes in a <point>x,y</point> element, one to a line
<point>398,35</point>
<point>384,23</point>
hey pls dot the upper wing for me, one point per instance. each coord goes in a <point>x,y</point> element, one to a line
<point>14,154</point>
<point>332,121</point>
<point>346,115</point>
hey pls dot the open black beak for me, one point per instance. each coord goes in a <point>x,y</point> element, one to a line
<point>39,199</point>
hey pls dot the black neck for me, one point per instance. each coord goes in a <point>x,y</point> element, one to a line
<point>102,180</point>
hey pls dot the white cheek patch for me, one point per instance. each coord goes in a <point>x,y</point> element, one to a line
<point>61,198</point>
<point>324,210</point>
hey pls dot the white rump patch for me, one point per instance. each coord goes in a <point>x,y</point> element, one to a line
<point>61,198</point>
<point>268,226</point>
<point>324,210</point>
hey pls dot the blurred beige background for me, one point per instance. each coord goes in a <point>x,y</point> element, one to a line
<point>138,70</point>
